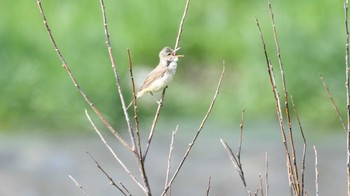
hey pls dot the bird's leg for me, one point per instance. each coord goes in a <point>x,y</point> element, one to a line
<point>158,102</point>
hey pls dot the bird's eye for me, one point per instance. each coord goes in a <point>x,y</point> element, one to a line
<point>169,53</point>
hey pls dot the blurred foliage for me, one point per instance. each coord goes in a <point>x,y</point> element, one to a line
<point>37,92</point>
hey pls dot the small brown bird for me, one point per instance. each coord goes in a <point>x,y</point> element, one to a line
<point>160,77</point>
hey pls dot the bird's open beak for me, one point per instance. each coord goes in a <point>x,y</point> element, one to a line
<point>179,55</point>
<point>174,53</point>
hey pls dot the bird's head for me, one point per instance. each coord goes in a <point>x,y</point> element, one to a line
<point>168,55</point>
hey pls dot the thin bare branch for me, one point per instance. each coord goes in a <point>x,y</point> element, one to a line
<point>198,131</point>
<point>333,102</point>
<point>261,185</point>
<point>266,174</point>
<point>346,10</point>
<point>316,171</point>
<point>163,94</point>
<point>135,106</point>
<point>181,25</point>
<point>144,189</point>
<point>106,174</point>
<point>304,148</point>
<point>295,178</point>
<point>75,82</point>
<point>278,111</point>
<point>240,135</point>
<point>136,149</point>
<point>116,74</point>
<point>78,185</point>
<point>171,148</point>
<point>236,163</point>
<point>155,120</point>
<point>208,188</point>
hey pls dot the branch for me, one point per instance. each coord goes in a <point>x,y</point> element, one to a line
<point>278,111</point>
<point>78,185</point>
<point>160,104</point>
<point>170,155</point>
<point>208,188</point>
<point>181,25</point>
<point>116,74</point>
<point>75,82</point>
<point>155,120</point>
<point>316,171</point>
<point>116,156</point>
<point>198,132</point>
<point>333,102</point>
<point>106,174</point>
<point>295,177</point>
<point>346,10</point>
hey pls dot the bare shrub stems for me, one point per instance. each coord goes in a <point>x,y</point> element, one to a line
<point>346,10</point>
<point>160,104</point>
<point>333,102</point>
<point>75,82</point>
<point>78,185</point>
<point>106,174</point>
<point>200,128</point>
<point>316,171</point>
<point>236,159</point>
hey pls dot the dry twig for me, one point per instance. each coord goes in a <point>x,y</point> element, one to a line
<point>160,104</point>
<point>333,102</point>
<point>346,10</point>
<point>78,185</point>
<point>170,155</point>
<point>294,176</point>
<point>316,171</point>
<point>236,160</point>
<point>75,82</point>
<point>197,133</point>
<point>266,174</point>
<point>304,148</point>
<point>144,189</point>
<point>136,149</point>
<point>106,174</point>
<point>208,188</point>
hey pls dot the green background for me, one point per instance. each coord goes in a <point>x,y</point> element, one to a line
<point>36,92</point>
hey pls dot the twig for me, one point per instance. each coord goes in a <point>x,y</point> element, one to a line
<point>116,156</point>
<point>236,160</point>
<point>155,120</point>
<point>115,71</point>
<point>304,148</point>
<point>136,149</point>
<point>316,171</point>
<point>333,102</point>
<point>208,188</point>
<point>170,155</point>
<point>106,174</point>
<point>163,94</point>
<point>266,174</point>
<point>181,25</point>
<point>135,106</point>
<point>198,132</point>
<point>346,10</point>
<point>121,184</point>
<point>240,136</point>
<point>278,110</point>
<point>295,177</point>
<point>261,185</point>
<point>78,185</point>
<point>236,163</point>
<point>75,82</point>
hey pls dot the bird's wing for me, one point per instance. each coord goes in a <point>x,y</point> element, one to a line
<point>155,74</point>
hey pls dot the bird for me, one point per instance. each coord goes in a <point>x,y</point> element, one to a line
<point>161,76</point>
